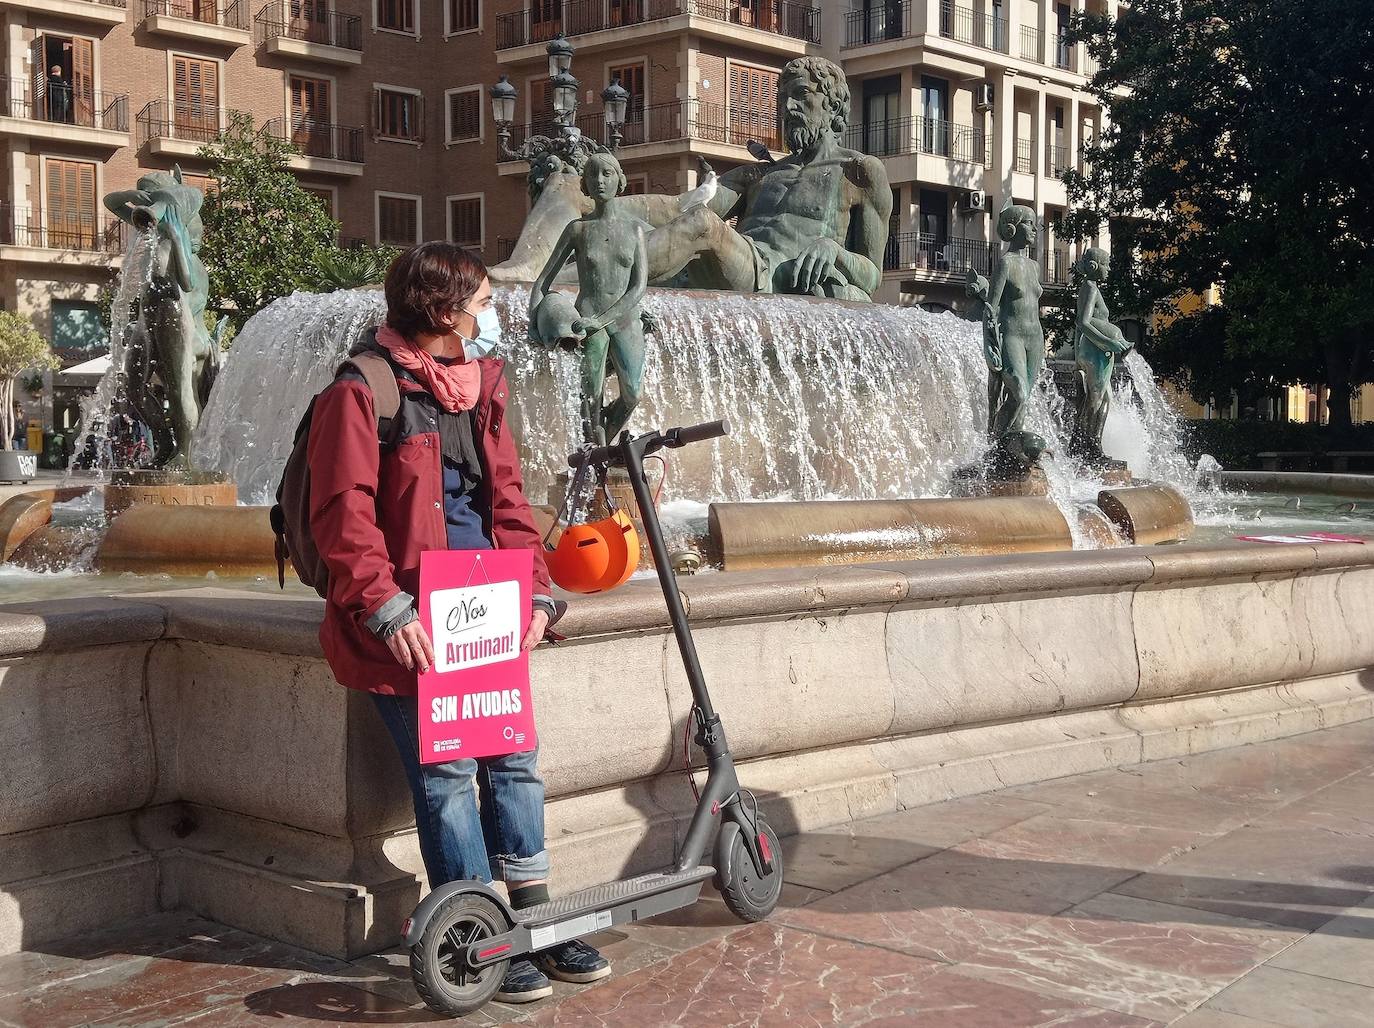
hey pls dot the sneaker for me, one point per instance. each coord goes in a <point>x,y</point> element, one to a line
<point>573,962</point>
<point>524,983</point>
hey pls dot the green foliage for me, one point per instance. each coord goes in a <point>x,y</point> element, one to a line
<point>263,232</point>
<point>1235,443</point>
<point>1238,155</point>
<point>21,348</point>
<point>352,268</point>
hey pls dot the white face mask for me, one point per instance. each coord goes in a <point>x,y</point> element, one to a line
<point>488,334</point>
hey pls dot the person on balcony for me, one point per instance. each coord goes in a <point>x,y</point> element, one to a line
<point>59,96</point>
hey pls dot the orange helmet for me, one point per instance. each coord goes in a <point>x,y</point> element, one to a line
<point>597,556</point>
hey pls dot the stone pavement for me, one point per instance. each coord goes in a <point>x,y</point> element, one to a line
<point>1228,890</point>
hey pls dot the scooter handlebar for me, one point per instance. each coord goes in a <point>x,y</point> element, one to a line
<point>674,437</point>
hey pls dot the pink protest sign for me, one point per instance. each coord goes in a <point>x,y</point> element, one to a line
<point>475,700</point>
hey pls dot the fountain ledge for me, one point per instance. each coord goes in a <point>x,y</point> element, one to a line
<point>190,750</point>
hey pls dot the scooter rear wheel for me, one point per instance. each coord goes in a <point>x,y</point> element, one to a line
<point>749,895</point>
<point>437,967</point>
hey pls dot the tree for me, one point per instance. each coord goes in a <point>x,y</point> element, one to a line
<point>264,233</point>
<point>1238,156</point>
<point>350,268</point>
<point>21,348</point>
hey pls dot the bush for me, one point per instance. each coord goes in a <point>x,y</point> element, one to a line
<point>1235,443</point>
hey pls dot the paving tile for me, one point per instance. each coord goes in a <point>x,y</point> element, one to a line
<point>1205,1018</point>
<point>942,825</point>
<point>1117,796</point>
<point>1282,875</point>
<point>1343,948</point>
<point>769,976</point>
<point>1141,958</point>
<point>1343,809</point>
<point>1108,844</point>
<point>317,1003</point>
<point>838,859</point>
<point>1276,996</point>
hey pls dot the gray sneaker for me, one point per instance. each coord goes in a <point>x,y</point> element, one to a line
<point>524,983</point>
<point>573,962</point>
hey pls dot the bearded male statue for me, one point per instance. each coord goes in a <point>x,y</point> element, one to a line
<point>814,223</point>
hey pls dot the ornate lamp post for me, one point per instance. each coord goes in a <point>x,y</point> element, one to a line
<point>568,142</point>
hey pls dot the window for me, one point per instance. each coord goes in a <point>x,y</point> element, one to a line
<point>464,114</point>
<point>398,115</point>
<point>63,87</point>
<point>396,15</point>
<point>631,78</point>
<point>636,185</point>
<point>195,99</point>
<point>309,20</point>
<point>464,15</point>
<point>546,19</point>
<point>541,107</point>
<point>76,330</point>
<point>70,200</point>
<point>883,131</point>
<point>207,184</point>
<point>465,221</point>
<point>311,132</point>
<point>398,219</point>
<point>754,105</point>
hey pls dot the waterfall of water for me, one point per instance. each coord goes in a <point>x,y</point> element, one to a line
<point>826,399</point>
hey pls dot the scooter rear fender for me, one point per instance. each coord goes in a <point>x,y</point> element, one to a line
<point>420,918</point>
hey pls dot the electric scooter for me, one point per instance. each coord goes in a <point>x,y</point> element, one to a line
<point>463,935</point>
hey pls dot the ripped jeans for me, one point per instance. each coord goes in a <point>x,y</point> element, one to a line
<point>457,841</point>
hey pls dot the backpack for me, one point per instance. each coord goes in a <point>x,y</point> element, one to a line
<point>290,515</point>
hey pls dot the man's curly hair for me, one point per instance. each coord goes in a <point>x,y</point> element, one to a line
<point>829,79</point>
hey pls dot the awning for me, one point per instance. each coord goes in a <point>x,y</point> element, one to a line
<point>87,373</point>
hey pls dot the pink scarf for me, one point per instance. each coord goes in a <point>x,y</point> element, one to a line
<point>456,386</point>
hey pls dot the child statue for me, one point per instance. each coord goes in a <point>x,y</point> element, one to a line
<point>1014,302</point>
<point>612,275</point>
<point>1097,344</point>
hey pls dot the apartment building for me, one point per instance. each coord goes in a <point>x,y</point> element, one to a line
<point>970,103</point>
<point>386,101</point>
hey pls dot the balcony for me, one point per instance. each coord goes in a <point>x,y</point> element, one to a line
<point>1025,157</point>
<point>924,251</point>
<point>1062,55</point>
<point>1057,160</point>
<point>333,38</point>
<point>882,23</point>
<point>936,136</point>
<point>61,115</point>
<point>677,121</point>
<point>322,149</point>
<point>1032,44</point>
<point>180,130</point>
<point>965,25</point>
<point>200,21</point>
<point>1055,265</point>
<point>93,12</point>
<point>35,235</point>
<point>784,18</point>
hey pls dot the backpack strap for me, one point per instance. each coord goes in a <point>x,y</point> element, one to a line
<point>381,379</point>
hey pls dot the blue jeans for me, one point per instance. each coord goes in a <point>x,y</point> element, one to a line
<point>457,842</point>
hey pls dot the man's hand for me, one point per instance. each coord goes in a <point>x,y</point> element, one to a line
<point>539,621</point>
<point>411,647</point>
<point>816,265</point>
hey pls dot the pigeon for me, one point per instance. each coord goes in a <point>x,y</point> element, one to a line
<point>703,194</point>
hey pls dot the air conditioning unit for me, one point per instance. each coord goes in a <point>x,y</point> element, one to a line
<point>976,200</point>
<point>983,96</point>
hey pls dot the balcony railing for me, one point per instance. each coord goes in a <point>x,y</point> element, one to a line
<point>1032,43</point>
<point>573,17</point>
<point>60,104</point>
<point>882,22</point>
<point>1025,157</point>
<point>924,251</point>
<point>161,119</point>
<point>1054,266</point>
<point>327,28</point>
<point>1057,160</point>
<point>84,232</point>
<point>229,14</point>
<point>666,123</point>
<point>505,246</point>
<point>316,139</point>
<point>965,25</point>
<point>896,136</point>
<point>1062,55</point>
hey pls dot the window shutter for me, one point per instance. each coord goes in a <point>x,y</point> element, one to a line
<point>465,217</point>
<point>417,124</point>
<point>38,66</point>
<point>375,115</point>
<point>83,81</point>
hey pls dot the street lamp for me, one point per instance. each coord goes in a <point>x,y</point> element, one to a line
<point>503,97</point>
<point>615,98</point>
<point>565,90</point>
<point>560,53</point>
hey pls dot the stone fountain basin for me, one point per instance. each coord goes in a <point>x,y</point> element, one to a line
<point>194,537</point>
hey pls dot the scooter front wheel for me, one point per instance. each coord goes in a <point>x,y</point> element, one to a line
<point>437,962</point>
<point>749,895</point>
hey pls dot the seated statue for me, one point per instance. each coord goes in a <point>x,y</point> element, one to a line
<point>1097,344</point>
<point>814,223</point>
<point>608,245</point>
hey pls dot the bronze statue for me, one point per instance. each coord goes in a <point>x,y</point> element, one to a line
<point>171,355</point>
<point>976,289</point>
<point>612,269</point>
<point>1014,300</point>
<point>814,223</point>
<point>1097,344</point>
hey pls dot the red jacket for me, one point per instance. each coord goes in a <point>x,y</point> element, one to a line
<point>373,511</point>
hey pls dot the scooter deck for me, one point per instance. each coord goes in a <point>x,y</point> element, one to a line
<point>612,899</point>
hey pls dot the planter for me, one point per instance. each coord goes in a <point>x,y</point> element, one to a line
<point>18,465</point>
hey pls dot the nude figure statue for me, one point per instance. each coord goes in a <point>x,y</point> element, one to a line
<point>1097,344</point>
<point>1014,299</point>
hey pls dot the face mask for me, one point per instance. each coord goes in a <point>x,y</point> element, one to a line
<point>488,335</point>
